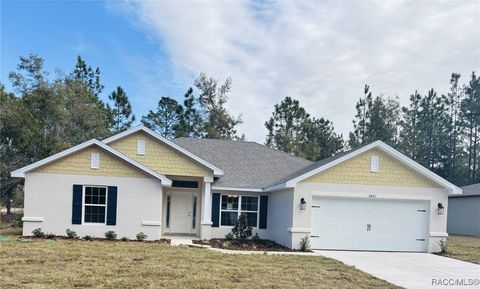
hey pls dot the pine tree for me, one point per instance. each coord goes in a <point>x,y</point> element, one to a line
<point>121,111</point>
<point>409,133</point>
<point>360,124</point>
<point>470,110</point>
<point>190,123</point>
<point>165,119</point>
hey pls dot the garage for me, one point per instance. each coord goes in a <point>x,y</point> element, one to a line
<point>369,224</point>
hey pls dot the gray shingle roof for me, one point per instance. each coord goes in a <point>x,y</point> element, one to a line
<point>245,164</point>
<point>471,190</point>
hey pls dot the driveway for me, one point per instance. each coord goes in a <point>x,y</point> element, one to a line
<point>411,270</point>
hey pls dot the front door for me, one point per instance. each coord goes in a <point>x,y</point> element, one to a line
<point>181,212</point>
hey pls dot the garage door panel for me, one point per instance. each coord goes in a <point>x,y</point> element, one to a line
<point>359,224</point>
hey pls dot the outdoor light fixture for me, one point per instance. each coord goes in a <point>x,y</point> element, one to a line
<point>303,204</point>
<point>441,209</point>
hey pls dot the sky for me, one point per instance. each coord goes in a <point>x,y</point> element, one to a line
<point>321,53</point>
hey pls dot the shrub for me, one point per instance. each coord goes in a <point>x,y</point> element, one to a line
<point>141,236</point>
<point>242,231</point>
<point>18,222</point>
<point>124,239</point>
<point>88,238</point>
<point>229,236</point>
<point>71,234</point>
<point>110,235</point>
<point>38,233</point>
<point>51,236</point>
<point>305,244</point>
<point>256,238</point>
<point>443,246</point>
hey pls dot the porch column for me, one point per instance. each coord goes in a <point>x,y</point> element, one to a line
<point>205,233</point>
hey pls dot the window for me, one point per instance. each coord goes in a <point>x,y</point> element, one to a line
<point>184,184</point>
<point>95,161</point>
<point>232,206</point>
<point>374,164</point>
<point>95,204</point>
<point>194,214</point>
<point>168,211</point>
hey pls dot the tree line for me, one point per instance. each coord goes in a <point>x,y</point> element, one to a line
<point>43,116</point>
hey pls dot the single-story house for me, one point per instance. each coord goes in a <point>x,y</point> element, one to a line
<point>370,198</point>
<point>464,212</point>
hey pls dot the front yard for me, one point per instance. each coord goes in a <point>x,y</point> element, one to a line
<point>464,248</point>
<point>104,264</point>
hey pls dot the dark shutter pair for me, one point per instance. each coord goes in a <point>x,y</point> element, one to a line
<point>77,205</point>
<point>216,211</point>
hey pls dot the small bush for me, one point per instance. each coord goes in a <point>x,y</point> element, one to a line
<point>51,236</point>
<point>88,238</point>
<point>141,236</point>
<point>110,235</point>
<point>71,234</point>
<point>256,238</point>
<point>443,246</point>
<point>38,233</point>
<point>229,236</point>
<point>242,231</point>
<point>124,239</point>
<point>305,244</point>
<point>18,222</point>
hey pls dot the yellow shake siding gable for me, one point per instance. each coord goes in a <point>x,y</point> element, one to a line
<point>78,163</point>
<point>159,157</point>
<point>357,171</point>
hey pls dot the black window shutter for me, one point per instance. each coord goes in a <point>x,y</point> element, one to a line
<point>215,210</point>
<point>112,206</point>
<point>263,212</point>
<point>77,205</point>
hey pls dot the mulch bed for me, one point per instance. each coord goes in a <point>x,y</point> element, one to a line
<point>249,245</point>
<point>160,241</point>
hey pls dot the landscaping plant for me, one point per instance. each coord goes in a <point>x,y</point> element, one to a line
<point>71,234</point>
<point>305,244</point>
<point>242,231</point>
<point>110,235</point>
<point>141,236</point>
<point>38,233</point>
<point>88,238</point>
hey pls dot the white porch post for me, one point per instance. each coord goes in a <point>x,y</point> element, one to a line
<point>205,233</point>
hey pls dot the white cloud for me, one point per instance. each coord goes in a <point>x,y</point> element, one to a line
<point>321,53</point>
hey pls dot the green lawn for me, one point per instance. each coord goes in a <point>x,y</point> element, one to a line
<point>464,248</point>
<point>105,264</point>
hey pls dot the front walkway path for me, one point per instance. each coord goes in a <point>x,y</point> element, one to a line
<point>181,240</point>
<point>411,270</point>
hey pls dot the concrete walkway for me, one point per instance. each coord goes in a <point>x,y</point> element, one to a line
<point>412,270</point>
<point>181,240</point>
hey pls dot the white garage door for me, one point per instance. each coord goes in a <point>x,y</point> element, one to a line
<point>366,224</point>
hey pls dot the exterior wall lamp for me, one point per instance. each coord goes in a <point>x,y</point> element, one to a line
<point>440,209</point>
<point>303,204</point>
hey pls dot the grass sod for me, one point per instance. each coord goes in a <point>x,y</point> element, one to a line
<point>101,264</point>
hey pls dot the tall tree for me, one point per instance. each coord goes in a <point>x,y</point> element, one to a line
<point>470,109</point>
<point>122,117</point>
<point>360,124</point>
<point>292,130</point>
<point>88,75</point>
<point>286,126</point>
<point>190,123</point>
<point>218,123</point>
<point>165,119</point>
<point>410,127</point>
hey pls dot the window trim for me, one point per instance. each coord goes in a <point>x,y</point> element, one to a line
<point>239,210</point>
<point>84,204</point>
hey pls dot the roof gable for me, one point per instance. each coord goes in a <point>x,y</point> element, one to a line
<point>324,165</point>
<point>165,142</point>
<point>99,147</point>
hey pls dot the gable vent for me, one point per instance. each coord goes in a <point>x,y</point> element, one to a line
<point>374,164</point>
<point>140,147</point>
<point>95,161</point>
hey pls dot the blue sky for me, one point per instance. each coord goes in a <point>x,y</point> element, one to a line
<point>321,53</point>
<point>59,31</point>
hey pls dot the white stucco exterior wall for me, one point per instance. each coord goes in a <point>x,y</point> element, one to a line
<point>280,216</point>
<point>48,197</point>
<point>437,224</point>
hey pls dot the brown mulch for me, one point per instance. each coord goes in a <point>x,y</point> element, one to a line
<point>249,245</point>
<point>160,241</point>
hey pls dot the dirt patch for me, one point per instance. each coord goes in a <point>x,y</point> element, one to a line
<point>249,245</point>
